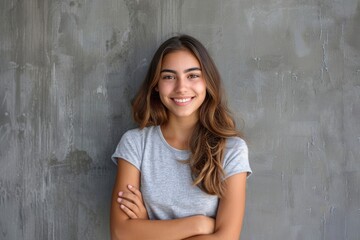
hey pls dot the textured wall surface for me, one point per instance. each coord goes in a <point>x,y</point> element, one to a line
<point>68,70</point>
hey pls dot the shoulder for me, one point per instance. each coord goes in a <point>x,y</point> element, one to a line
<point>131,145</point>
<point>236,156</point>
<point>235,143</point>
<point>133,138</point>
<point>139,133</point>
<point>139,138</point>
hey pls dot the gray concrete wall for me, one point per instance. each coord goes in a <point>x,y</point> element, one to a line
<point>68,70</point>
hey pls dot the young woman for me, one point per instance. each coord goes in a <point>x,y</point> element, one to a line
<point>182,173</point>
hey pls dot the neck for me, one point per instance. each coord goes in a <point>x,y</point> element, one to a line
<point>178,132</point>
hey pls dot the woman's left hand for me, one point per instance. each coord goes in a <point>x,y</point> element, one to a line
<point>132,203</point>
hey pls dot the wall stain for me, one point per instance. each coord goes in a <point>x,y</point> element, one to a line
<point>76,162</point>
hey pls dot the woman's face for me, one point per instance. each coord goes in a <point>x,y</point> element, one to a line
<point>181,86</point>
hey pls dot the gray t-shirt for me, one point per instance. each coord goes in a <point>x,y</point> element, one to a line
<point>166,183</point>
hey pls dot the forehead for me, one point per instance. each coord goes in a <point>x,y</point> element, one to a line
<point>180,59</point>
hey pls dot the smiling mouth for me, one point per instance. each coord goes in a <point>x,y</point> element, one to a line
<point>182,100</point>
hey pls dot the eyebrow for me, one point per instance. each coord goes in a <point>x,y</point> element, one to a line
<point>185,71</point>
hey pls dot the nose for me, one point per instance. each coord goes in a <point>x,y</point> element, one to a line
<point>181,84</point>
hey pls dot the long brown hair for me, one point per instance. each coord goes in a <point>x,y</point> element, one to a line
<point>215,123</point>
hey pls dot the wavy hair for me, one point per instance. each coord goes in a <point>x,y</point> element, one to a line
<point>215,123</point>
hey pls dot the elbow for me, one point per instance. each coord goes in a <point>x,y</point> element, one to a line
<point>221,237</point>
<point>116,234</point>
<point>227,235</point>
<point>119,232</point>
<point>119,235</point>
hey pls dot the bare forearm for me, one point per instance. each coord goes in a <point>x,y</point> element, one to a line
<point>214,236</point>
<point>157,229</point>
<point>204,237</point>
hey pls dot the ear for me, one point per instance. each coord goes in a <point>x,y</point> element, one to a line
<point>156,89</point>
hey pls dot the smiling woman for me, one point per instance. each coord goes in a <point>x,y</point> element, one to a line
<point>182,173</point>
<point>181,87</point>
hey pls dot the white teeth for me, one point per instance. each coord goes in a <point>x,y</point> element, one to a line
<point>182,100</point>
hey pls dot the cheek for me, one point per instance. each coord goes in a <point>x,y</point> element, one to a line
<point>164,88</point>
<point>200,87</point>
<point>163,94</point>
<point>159,88</point>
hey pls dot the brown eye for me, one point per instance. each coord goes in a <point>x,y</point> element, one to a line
<point>168,77</point>
<point>193,76</point>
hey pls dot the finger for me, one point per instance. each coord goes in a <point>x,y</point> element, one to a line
<point>133,207</point>
<point>135,191</point>
<point>131,197</point>
<point>128,212</point>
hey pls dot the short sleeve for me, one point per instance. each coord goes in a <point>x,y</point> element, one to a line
<point>129,148</point>
<point>236,158</point>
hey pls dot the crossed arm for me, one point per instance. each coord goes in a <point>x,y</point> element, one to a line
<point>129,218</point>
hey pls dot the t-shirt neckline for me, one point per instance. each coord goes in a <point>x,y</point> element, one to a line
<point>167,144</point>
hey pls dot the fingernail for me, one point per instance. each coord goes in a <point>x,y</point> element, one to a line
<point>122,206</point>
<point>120,193</point>
<point>129,186</point>
<point>119,200</point>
